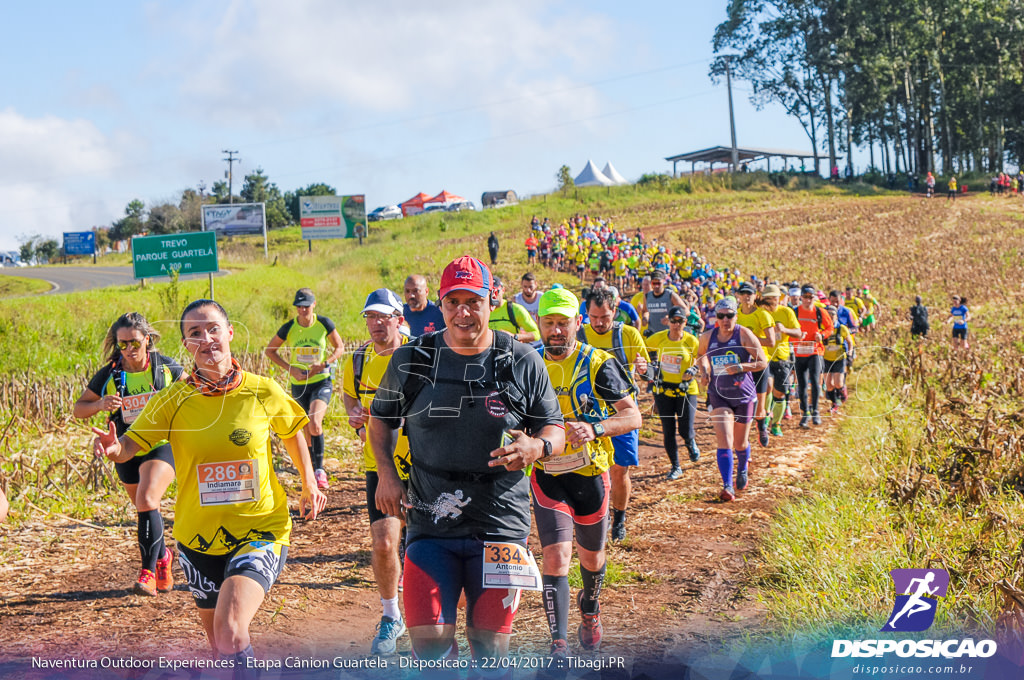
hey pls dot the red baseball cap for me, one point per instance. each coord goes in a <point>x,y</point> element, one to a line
<point>466,273</point>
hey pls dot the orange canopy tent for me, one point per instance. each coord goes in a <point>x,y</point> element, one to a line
<point>415,204</point>
<point>446,198</point>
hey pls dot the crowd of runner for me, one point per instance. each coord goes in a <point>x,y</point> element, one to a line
<point>480,412</point>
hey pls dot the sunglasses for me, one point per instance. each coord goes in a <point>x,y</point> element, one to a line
<point>675,320</point>
<point>125,344</point>
<point>373,316</point>
<point>725,316</point>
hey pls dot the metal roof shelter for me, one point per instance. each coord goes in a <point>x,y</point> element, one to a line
<point>723,154</point>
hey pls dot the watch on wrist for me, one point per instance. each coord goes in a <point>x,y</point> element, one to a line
<point>598,429</point>
<point>547,446</point>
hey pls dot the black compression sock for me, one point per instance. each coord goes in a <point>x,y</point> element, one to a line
<point>151,538</point>
<point>556,605</point>
<point>316,451</point>
<point>593,581</point>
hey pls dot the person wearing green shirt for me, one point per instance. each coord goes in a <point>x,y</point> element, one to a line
<point>511,317</point>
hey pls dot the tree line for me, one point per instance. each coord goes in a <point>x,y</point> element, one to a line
<point>931,85</point>
<point>185,213</point>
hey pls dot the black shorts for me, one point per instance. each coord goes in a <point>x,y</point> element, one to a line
<point>562,503</point>
<point>782,371</point>
<point>307,393</point>
<point>960,333</point>
<point>371,497</point>
<point>128,472</point>
<point>837,366</point>
<point>760,380</point>
<point>261,561</point>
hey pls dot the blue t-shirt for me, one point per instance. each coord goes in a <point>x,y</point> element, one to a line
<point>844,318</point>
<point>427,320</point>
<point>959,316</point>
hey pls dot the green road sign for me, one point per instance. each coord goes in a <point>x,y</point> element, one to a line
<point>189,253</point>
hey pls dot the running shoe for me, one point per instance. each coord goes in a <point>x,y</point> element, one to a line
<point>559,652</point>
<point>834,409</point>
<point>741,480</point>
<point>816,419</point>
<point>776,430</point>
<point>762,432</point>
<point>789,413</point>
<point>805,421</point>
<point>164,579</point>
<point>694,451</point>
<point>590,629</point>
<point>388,632</point>
<point>146,585</point>
<point>321,479</point>
<point>675,473</point>
<point>727,494</point>
<point>619,531</point>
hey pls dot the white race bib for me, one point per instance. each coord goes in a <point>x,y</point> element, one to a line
<point>574,458</point>
<point>307,355</point>
<point>721,363</point>
<point>803,347</point>
<point>236,481</point>
<point>671,364</point>
<point>132,405</point>
<point>510,565</point>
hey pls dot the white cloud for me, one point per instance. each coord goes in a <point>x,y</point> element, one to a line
<point>53,169</point>
<point>267,61</point>
<point>41,149</point>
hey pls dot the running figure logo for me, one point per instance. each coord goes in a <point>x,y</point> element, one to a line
<point>917,593</point>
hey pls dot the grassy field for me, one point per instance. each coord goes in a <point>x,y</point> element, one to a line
<point>19,286</point>
<point>927,468</point>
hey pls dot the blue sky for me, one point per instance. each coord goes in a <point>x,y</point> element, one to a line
<point>107,102</point>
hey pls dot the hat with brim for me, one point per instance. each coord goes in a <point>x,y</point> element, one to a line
<point>726,304</point>
<point>383,301</point>
<point>771,290</point>
<point>468,274</point>
<point>304,298</point>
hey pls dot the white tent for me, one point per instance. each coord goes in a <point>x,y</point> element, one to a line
<point>592,177</point>
<point>611,173</point>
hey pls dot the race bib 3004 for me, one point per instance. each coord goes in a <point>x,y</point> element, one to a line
<point>132,405</point>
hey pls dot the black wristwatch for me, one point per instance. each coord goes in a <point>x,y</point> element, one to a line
<point>547,446</point>
<point>598,429</point>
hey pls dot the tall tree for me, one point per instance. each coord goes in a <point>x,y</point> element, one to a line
<point>133,222</point>
<point>257,188</point>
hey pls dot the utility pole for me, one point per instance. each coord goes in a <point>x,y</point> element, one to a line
<point>231,161</point>
<point>732,119</point>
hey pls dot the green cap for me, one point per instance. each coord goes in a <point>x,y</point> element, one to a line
<point>559,301</point>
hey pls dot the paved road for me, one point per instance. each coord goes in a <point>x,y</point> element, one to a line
<point>74,279</point>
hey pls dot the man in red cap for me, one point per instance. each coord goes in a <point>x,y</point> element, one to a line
<point>478,409</point>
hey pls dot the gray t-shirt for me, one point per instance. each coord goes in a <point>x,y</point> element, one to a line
<point>657,309</point>
<point>454,422</point>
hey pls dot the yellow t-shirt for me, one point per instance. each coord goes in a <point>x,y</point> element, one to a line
<point>675,357</point>
<point>569,380</point>
<point>834,348</point>
<point>758,321</point>
<point>374,366</point>
<point>228,493</point>
<point>632,343</point>
<point>500,319</point>
<point>785,315</point>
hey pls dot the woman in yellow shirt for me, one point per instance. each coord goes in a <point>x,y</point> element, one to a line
<point>231,524</point>
<point>675,390</point>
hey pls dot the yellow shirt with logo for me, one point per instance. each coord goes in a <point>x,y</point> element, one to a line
<point>570,382</point>
<point>374,366</point>
<point>675,357</point>
<point>834,348</point>
<point>228,493</point>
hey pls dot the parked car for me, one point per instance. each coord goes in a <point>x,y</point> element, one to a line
<point>461,206</point>
<point>434,207</point>
<point>384,212</point>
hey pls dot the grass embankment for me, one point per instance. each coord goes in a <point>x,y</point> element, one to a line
<point>19,286</point>
<point>935,481</point>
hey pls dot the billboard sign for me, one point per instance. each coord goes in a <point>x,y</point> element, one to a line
<point>235,218</point>
<point>186,253</point>
<point>332,216</point>
<point>79,243</point>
